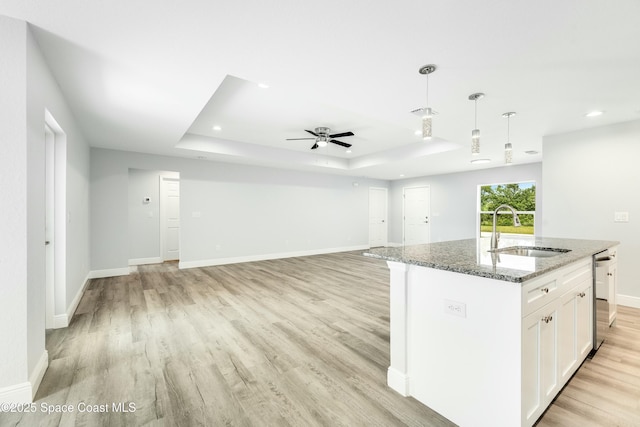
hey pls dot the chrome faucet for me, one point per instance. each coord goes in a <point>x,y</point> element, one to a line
<point>495,236</point>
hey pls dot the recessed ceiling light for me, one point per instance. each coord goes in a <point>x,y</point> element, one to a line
<point>479,161</point>
<point>531,152</point>
<point>348,151</point>
<point>418,132</point>
<point>216,128</point>
<point>594,114</point>
<point>401,175</point>
<point>263,86</point>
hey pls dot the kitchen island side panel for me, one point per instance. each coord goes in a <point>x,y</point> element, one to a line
<point>464,346</point>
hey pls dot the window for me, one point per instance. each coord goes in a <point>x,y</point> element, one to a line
<point>520,195</point>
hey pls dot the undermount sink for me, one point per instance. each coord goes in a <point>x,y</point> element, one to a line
<point>530,251</point>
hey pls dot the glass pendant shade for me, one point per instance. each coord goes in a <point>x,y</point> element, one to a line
<point>426,123</point>
<point>508,149</point>
<point>475,142</point>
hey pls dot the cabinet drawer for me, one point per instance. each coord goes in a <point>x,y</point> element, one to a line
<point>546,288</point>
<point>538,293</point>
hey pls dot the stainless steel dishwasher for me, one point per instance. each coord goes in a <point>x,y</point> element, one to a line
<point>601,263</point>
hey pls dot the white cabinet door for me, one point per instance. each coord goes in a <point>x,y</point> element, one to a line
<point>584,325</point>
<point>612,276</point>
<point>539,362</point>
<point>548,356</point>
<point>567,342</point>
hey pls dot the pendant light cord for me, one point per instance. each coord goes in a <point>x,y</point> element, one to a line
<point>427,91</point>
<point>475,118</point>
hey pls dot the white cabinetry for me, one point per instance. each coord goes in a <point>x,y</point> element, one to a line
<point>487,352</point>
<point>612,277</point>
<point>557,336</point>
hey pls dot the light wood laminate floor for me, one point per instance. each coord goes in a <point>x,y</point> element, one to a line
<point>299,341</point>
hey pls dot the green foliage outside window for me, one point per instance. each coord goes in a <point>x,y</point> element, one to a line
<point>522,196</point>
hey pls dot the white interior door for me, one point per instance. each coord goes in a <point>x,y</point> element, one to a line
<point>49,227</point>
<point>416,215</point>
<point>170,221</point>
<point>377,217</point>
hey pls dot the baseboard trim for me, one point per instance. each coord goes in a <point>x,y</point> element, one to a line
<point>265,257</point>
<point>65,319</point>
<point>628,301</point>
<point>38,373</point>
<point>19,393</point>
<point>398,381</point>
<point>112,272</point>
<point>143,261</point>
<point>60,321</point>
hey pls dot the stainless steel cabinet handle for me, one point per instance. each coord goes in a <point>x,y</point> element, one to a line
<point>547,319</point>
<point>581,294</point>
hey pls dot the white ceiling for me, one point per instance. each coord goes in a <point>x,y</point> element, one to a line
<point>155,75</point>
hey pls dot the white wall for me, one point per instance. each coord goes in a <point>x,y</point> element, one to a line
<point>28,88</point>
<point>231,212</point>
<point>454,199</point>
<point>13,211</point>
<point>589,175</point>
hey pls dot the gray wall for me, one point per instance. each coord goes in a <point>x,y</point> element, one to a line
<point>589,175</point>
<point>144,218</point>
<point>13,213</point>
<point>44,93</point>
<point>231,211</point>
<point>454,199</point>
<point>27,89</point>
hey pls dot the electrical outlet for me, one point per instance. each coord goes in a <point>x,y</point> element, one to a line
<point>621,217</point>
<point>455,307</point>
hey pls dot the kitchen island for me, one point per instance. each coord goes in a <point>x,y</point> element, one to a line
<point>487,337</point>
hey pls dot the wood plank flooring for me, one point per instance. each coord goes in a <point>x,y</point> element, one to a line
<point>292,342</point>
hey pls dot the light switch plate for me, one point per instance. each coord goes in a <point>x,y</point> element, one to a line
<point>621,217</point>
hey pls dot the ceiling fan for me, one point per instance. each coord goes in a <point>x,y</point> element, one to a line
<point>322,137</point>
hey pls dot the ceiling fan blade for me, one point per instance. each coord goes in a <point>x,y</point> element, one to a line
<point>344,144</point>
<point>340,135</point>
<point>314,146</point>
<point>296,139</point>
<point>312,133</point>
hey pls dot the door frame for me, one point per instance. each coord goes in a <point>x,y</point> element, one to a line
<point>404,216</point>
<point>55,286</point>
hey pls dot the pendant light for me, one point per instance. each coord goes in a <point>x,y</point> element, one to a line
<point>428,113</point>
<point>475,133</point>
<point>508,148</point>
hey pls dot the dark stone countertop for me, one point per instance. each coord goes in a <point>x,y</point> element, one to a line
<point>471,256</point>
